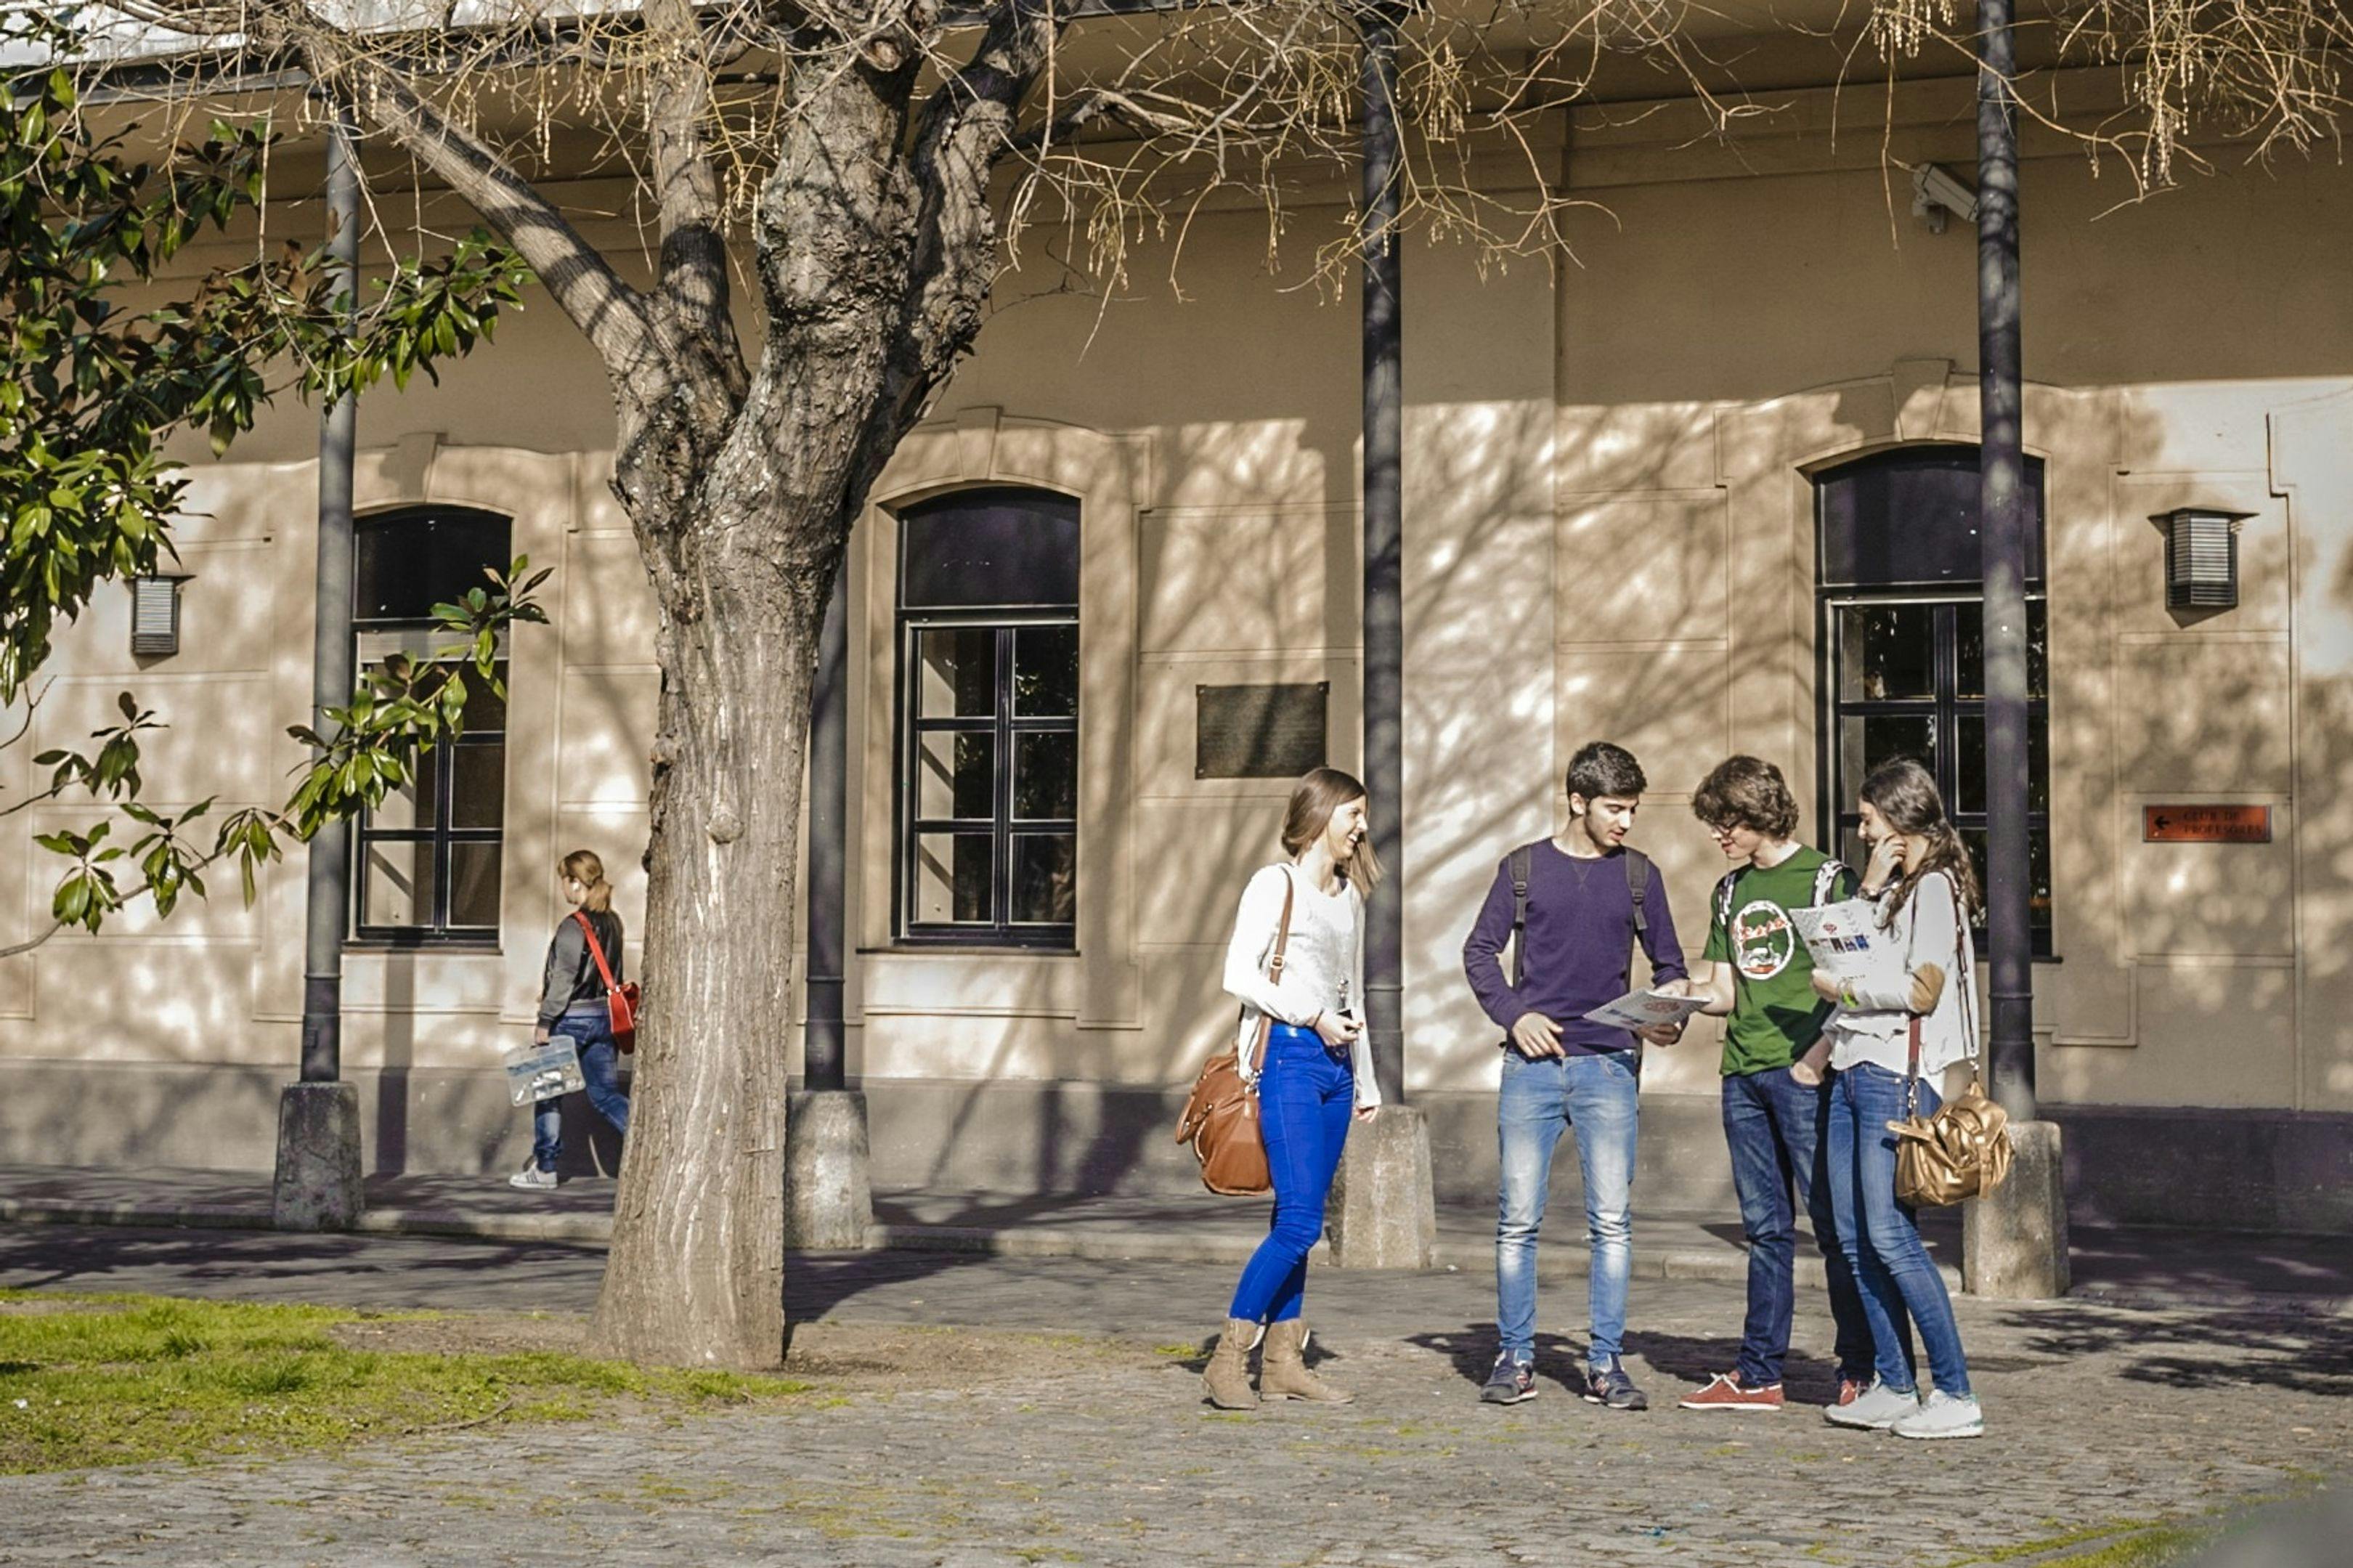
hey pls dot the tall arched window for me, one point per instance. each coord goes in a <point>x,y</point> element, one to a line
<point>1903,641</point>
<point>988,703</point>
<point>429,858</point>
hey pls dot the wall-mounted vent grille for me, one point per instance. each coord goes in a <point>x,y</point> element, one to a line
<point>2202,559</point>
<point>155,617</point>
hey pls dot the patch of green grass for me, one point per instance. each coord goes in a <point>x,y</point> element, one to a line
<point>2152,1549</point>
<point>2129,1543</point>
<point>117,1380</point>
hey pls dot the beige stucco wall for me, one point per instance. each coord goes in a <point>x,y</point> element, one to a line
<point>1607,532</point>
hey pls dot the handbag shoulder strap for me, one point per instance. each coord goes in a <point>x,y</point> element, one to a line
<point>596,948</point>
<point>1274,966</point>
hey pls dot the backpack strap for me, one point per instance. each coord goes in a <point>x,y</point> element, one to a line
<point>1724,889</point>
<point>1826,881</point>
<point>1519,864</point>
<point>1638,884</point>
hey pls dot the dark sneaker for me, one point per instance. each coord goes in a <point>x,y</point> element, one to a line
<point>1512,1381</point>
<point>1605,1383</point>
<point>1725,1391</point>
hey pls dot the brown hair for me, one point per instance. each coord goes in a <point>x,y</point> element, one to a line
<point>583,867</point>
<point>1903,793</point>
<point>1746,792</point>
<point>1319,793</point>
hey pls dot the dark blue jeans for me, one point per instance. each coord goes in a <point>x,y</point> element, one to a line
<point>1881,1236</point>
<point>1775,1127</point>
<point>600,1065</point>
<point>1305,1095</point>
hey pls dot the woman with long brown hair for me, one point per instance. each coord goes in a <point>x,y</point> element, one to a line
<point>1889,1045</point>
<point>572,1004</point>
<point>1318,1068</point>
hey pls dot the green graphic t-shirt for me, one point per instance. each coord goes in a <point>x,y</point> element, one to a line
<point>1776,1014</point>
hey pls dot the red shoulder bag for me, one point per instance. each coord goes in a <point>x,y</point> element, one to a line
<point>620,1001</point>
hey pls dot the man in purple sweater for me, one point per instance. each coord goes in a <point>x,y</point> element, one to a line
<point>1588,899</point>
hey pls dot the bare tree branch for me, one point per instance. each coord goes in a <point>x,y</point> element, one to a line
<point>693,255</point>
<point>608,312</point>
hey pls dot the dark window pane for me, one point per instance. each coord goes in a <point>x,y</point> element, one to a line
<point>955,673</point>
<point>1045,673</point>
<point>1887,652</point>
<point>474,884</point>
<point>1865,742</point>
<point>1910,516</point>
<point>1968,656</point>
<point>478,782</point>
<point>1045,777</point>
<point>955,775</point>
<point>953,877</point>
<point>1045,879</point>
<point>1969,756</point>
<point>409,561</point>
<point>994,546</point>
<point>397,883</point>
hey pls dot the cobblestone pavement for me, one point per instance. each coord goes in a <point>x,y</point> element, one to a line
<point>2101,1419</point>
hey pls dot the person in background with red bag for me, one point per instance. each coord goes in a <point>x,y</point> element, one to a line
<point>1318,1068</point>
<point>572,1003</point>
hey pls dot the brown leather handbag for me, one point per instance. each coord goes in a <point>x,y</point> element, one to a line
<point>1220,1116</point>
<point>620,1000</point>
<point>1963,1149</point>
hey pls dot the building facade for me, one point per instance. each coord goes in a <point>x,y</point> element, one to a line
<point>1705,485</point>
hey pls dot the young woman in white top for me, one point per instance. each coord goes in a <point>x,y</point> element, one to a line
<point>1318,1068</point>
<point>1920,874</point>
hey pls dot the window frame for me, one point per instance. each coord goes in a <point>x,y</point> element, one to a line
<point>442,835</point>
<point>1944,707</point>
<point>1005,725</point>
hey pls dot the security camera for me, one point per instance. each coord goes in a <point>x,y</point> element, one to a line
<point>1935,192</point>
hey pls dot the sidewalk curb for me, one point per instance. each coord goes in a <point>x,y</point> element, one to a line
<point>1099,1243</point>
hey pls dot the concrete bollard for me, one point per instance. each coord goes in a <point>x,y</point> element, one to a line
<point>828,1195</point>
<point>318,1186</point>
<point>1382,1214</point>
<point>2014,1239</point>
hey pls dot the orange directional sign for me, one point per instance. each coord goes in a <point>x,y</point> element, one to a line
<point>2206,824</point>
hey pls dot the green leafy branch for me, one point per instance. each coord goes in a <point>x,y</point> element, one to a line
<point>404,710</point>
<point>91,388</point>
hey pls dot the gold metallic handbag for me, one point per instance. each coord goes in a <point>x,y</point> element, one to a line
<point>1963,1149</point>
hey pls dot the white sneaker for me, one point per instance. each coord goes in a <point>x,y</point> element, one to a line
<point>1942,1416</point>
<point>530,1178</point>
<point>1875,1409</point>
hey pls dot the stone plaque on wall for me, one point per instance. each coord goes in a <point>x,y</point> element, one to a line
<point>1259,731</point>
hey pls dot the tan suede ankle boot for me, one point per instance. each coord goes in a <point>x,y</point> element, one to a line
<point>1284,1373</point>
<point>1227,1377</point>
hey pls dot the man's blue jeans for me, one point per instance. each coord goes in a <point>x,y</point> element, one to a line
<point>1594,1097</point>
<point>1881,1236</point>
<point>592,1033</point>
<point>1776,1129</point>
<point>1305,1095</point>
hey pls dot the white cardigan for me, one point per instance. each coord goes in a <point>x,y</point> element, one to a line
<point>1322,964</point>
<point>1929,931</point>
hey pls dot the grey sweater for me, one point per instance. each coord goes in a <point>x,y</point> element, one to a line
<point>572,976</point>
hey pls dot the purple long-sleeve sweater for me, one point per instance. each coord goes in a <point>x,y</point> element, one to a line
<point>1580,937</point>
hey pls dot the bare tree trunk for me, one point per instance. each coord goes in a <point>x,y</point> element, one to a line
<point>696,1274</point>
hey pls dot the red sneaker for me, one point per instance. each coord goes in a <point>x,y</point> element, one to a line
<point>1850,1390</point>
<point>1725,1391</point>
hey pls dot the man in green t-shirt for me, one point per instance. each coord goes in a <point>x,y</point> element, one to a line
<point>1760,977</point>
